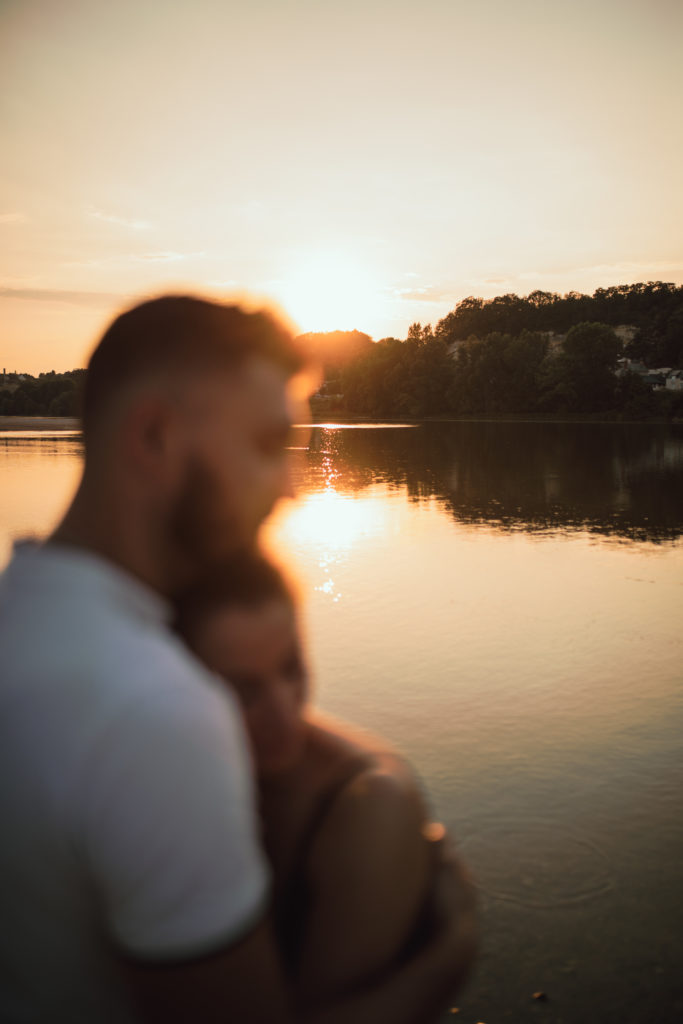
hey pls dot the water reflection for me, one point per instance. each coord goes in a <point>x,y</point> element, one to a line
<point>41,442</point>
<point>39,471</point>
<point>619,480</point>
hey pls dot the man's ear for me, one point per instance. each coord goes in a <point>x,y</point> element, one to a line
<point>151,439</point>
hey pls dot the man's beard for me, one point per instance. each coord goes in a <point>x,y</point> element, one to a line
<point>202,525</point>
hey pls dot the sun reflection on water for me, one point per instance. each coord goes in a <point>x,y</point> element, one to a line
<point>332,521</point>
<point>325,525</point>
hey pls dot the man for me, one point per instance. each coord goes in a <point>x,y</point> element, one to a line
<point>133,884</point>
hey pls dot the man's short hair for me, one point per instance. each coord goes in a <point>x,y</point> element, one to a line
<point>179,334</point>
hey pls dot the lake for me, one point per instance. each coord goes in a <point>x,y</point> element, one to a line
<point>502,601</point>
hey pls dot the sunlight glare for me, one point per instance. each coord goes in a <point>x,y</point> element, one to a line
<point>321,530</point>
<point>329,291</point>
<point>331,521</point>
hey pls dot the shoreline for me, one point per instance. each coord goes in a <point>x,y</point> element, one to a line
<point>39,423</point>
<point>64,423</point>
<point>318,418</point>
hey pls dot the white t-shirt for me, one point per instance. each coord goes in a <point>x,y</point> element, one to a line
<point>127,810</point>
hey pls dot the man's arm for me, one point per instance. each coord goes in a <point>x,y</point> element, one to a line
<point>245,983</point>
<point>420,990</point>
<point>173,882</point>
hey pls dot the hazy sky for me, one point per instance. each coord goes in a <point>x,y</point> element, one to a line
<point>366,164</point>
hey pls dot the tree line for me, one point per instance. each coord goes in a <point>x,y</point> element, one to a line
<point>49,394</point>
<point>654,308</point>
<point>537,354</point>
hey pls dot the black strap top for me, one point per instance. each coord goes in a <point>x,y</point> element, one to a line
<point>293,897</point>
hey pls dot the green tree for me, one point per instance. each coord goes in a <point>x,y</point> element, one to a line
<point>582,378</point>
<point>499,373</point>
<point>415,333</point>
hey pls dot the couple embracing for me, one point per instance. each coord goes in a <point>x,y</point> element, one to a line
<point>160,861</point>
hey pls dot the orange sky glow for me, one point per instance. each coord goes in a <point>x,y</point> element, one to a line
<point>362,165</point>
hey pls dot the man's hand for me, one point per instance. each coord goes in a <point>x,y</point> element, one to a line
<point>242,983</point>
<point>246,982</point>
<point>419,990</point>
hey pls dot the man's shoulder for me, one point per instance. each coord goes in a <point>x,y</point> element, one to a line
<point>90,651</point>
<point>72,612</point>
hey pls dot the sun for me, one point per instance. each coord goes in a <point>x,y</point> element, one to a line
<point>331,290</point>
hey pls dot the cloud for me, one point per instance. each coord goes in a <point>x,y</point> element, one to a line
<point>13,218</point>
<point>162,256</point>
<point>430,293</point>
<point>125,222</point>
<point>59,295</point>
<point>166,256</point>
<point>84,263</point>
<point>642,270</point>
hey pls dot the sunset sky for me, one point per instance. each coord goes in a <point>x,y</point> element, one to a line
<point>363,164</point>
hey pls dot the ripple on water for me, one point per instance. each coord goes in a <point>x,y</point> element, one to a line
<point>536,863</point>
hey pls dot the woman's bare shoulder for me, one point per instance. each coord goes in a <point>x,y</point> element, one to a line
<point>333,738</point>
<point>380,800</point>
<point>379,807</point>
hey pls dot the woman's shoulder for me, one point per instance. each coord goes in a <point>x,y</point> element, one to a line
<point>368,867</point>
<point>336,740</point>
<point>378,792</point>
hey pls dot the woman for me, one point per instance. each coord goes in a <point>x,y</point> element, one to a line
<point>345,826</point>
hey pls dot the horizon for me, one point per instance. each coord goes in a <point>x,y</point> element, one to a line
<point>337,331</point>
<point>359,168</point>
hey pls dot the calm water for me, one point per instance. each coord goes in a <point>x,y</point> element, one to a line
<point>503,601</point>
